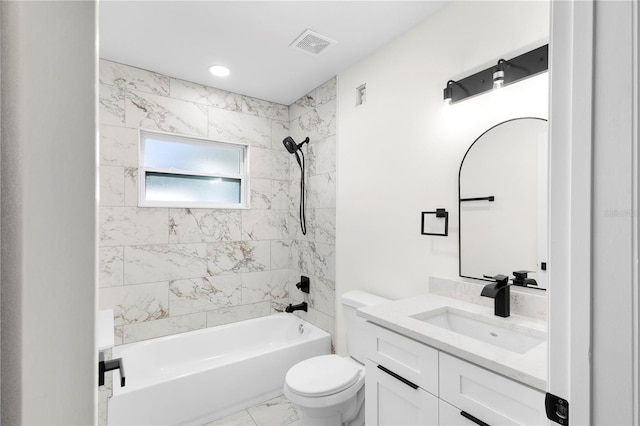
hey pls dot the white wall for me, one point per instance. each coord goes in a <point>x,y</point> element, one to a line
<point>399,153</point>
<point>49,356</point>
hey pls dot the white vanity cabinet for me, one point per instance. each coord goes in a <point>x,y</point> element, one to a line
<point>401,380</point>
<point>411,383</point>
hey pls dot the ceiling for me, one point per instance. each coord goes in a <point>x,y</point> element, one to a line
<point>183,38</point>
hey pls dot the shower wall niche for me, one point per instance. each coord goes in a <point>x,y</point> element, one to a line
<point>171,270</point>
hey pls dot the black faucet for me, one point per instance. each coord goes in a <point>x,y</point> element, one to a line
<point>300,307</point>
<point>499,292</point>
<point>520,279</point>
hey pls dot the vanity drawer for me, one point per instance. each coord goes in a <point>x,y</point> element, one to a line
<point>413,361</point>
<point>390,402</point>
<point>487,396</point>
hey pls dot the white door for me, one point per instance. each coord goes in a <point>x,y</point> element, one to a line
<point>569,272</point>
<point>593,216</point>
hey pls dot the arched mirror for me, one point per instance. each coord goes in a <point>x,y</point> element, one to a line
<point>502,200</point>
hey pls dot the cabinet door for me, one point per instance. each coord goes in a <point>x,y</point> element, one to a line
<point>490,397</point>
<point>391,402</point>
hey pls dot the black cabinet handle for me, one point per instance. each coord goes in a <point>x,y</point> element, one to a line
<point>399,377</point>
<point>489,198</point>
<point>473,419</point>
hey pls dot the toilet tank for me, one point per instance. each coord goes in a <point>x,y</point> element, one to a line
<point>354,325</point>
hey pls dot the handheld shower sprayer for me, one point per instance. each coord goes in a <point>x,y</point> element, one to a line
<point>293,148</point>
<point>291,145</point>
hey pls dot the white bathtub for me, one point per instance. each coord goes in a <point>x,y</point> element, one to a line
<point>199,376</point>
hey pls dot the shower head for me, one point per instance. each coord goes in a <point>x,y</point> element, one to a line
<point>291,145</point>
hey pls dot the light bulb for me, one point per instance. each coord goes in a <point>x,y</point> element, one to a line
<point>498,79</point>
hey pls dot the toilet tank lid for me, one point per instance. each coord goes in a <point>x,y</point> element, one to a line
<point>359,299</point>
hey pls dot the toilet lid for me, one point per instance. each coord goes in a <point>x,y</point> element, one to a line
<point>322,375</point>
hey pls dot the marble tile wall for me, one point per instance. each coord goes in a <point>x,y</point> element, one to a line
<point>313,254</point>
<point>171,270</point>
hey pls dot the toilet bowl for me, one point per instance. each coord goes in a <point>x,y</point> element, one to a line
<point>329,389</point>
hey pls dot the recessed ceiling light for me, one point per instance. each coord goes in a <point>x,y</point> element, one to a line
<point>219,70</point>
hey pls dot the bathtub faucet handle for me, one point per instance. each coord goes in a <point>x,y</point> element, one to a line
<point>303,285</point>
<point>113,364</point>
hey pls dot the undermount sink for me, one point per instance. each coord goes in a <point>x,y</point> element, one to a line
<point>519,340</point>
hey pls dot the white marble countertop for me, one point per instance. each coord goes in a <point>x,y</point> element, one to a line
<point>529,368</point>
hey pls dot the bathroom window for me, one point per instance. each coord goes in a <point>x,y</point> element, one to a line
<point>181,171</point>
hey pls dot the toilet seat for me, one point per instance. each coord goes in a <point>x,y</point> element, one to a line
<point>322,375</point>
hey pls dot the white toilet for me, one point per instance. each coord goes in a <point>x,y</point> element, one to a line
<point>329,389</point>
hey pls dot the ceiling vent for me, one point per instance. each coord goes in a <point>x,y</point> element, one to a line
<point>312,42</point>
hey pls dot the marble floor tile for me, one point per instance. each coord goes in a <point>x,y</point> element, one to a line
<point>241,418</point>
<point>278,411</point>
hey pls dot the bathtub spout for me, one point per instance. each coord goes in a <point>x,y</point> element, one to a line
<point>301,307</point>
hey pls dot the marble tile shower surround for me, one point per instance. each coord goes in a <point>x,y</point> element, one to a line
<point>172,270</point>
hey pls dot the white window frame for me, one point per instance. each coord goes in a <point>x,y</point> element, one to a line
<point>166,136</point>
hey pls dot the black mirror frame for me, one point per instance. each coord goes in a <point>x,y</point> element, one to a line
<point>488,198</point>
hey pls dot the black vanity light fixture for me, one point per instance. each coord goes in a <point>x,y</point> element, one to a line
<point>440,214</point>
<point>505,72</point>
